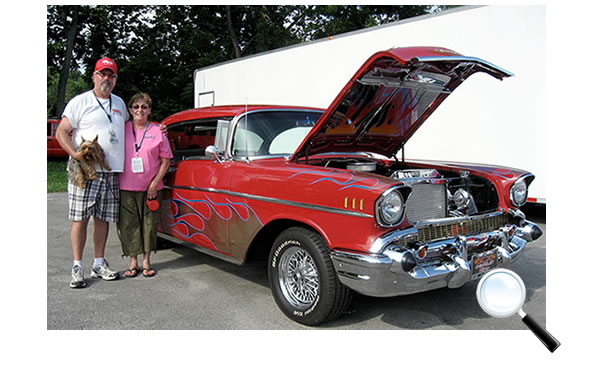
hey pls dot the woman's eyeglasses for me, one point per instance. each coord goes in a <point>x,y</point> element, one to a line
<point>143,107</point>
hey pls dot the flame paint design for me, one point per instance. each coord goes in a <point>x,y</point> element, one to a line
<point>197,220</point>
<point>507,174</point>
<point>346,180</point>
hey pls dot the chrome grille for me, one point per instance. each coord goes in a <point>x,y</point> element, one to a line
<point>472,226</point>
<point>426,201</point>
<point>453,227</point>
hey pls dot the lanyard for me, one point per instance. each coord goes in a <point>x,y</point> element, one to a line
<point>138,147</point>
<point>109,107</point>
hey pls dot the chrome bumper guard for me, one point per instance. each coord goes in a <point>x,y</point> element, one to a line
<point>394,269</point>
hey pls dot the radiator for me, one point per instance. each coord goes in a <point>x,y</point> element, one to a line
<point>426,201</point>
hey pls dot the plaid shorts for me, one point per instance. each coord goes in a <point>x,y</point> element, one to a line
<point>99,198</point>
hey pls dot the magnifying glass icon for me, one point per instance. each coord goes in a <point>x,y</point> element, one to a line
<point>501,293</point>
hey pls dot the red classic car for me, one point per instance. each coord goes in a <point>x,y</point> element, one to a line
<point>323,195</point>
<point>54,149</point>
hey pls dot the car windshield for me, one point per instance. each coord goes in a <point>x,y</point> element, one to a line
<point>272,132</point>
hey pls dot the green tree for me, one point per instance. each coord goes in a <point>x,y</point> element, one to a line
<point>75,84</point>
<point>158,48</point>
<point>320,21</point>
<point>80,35</point>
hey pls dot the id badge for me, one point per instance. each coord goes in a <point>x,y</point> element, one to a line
<point>137,166</point>
<point>113,136</point>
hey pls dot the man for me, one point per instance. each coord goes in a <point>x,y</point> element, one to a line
<point>100,113</point>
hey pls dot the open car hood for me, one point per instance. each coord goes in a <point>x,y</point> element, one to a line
<point>389,98</point>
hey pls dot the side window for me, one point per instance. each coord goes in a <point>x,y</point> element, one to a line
<point>221,136</point>
<point>189,139</point>
<point>246,143</point>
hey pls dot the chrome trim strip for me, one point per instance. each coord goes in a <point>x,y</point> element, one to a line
<point>276,201</point>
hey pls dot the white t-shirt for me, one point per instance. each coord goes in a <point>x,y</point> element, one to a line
<point>88,115</point>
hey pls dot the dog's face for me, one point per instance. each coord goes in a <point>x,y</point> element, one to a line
<point>91,151</point>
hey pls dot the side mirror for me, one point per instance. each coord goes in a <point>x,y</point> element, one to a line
<point>212,152</point>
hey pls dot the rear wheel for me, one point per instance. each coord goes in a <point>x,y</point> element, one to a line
<point>303,280</point>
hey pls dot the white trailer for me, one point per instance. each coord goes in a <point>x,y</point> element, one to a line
<point>488,121</point>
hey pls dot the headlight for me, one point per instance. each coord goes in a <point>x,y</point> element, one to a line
<point>518,192</point>
<point>389,208</point>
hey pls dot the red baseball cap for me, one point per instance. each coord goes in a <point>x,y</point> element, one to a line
<point>106,64</point>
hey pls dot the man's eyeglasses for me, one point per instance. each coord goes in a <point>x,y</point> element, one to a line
<point>143,107</point>
<point>107,75</point>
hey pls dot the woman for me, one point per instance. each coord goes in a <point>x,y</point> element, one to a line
<point>147,158</point>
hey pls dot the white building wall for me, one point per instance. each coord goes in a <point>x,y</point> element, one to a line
<point>484,120</point>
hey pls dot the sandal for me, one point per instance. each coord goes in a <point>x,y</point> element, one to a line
<point>132,272</point>
<point>148,272</point>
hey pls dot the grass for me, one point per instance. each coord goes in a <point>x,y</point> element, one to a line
<point>57,175</point>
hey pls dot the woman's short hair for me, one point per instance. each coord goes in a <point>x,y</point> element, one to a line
<point>138,97</point>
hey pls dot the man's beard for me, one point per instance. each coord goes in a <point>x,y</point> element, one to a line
<point>105,87</point>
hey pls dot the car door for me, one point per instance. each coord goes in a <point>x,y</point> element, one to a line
<point>198,211</point>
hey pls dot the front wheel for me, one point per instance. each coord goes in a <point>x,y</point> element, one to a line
<point>303,280</point>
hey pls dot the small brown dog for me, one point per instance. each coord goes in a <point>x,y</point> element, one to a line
<point>82,171</point>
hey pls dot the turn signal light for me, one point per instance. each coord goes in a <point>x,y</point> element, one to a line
<point>422,252</point>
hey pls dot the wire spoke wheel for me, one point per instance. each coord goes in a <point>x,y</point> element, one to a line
<point>298,278</point>
<point>303,280</point>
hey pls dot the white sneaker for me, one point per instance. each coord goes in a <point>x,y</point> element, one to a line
<point>77,279</point>
<point>104,271</point>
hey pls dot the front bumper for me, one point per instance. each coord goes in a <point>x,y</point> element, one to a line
<point>394,267</point>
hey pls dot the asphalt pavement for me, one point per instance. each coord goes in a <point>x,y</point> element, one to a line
<point>198,292</point>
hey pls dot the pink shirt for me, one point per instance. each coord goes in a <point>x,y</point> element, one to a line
<point>154,146</point>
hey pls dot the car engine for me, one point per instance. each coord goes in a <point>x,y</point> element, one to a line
<point>435,193</point>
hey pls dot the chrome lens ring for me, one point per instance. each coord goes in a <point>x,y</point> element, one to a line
<point>390,207</point>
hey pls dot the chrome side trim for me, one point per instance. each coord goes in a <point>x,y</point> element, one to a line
<point>267,199</point>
